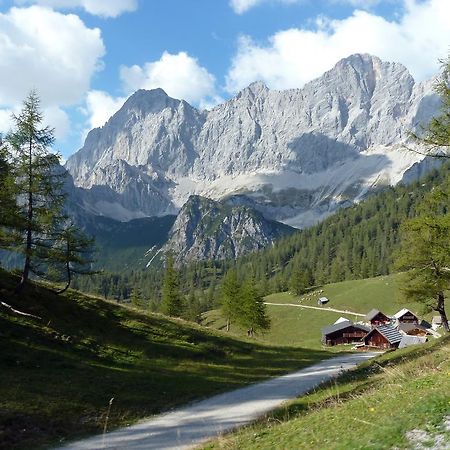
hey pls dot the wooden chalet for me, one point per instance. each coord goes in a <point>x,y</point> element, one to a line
<point>344,332</point>
<point>376,317</point>
<point>406,316</point>
<point>412,329</point>
<point>383,336</point>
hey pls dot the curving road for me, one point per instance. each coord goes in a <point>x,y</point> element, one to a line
<point>189,426</point>
<point>320,308</point>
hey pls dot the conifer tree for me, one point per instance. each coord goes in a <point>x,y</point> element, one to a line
<point>231,302</point>
<point>425,254</point>
<point>39,184</point>
<point>172,302</point>
<point>72,254</point>
<point>253,311</point>
<point>9,219</point>
<point>436,135</point>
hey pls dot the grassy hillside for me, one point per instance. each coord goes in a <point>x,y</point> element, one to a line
<point>376,406</point>
<point>58,373</point>
<point>301,327</point>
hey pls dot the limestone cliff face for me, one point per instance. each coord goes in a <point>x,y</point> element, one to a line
<point>295,155</point>
<point>206,229</point>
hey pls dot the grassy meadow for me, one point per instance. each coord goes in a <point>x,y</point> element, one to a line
<point>59,373</point>
<point>301,327</point>
<point>376,406</point>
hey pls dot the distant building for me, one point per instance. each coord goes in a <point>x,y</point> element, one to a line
<point>383,336</point>
<point>406,316</point>
<point>407,341</point>
<point>322,301</point>
<point>437,322</point>
<point>345,332</point>
<point>376,317</point>
<point>412,329</point>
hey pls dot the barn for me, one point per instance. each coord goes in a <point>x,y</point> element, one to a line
<point>406,316</point>
<point>344,332</point>
<point>376,317</point>
<point>383,336</point>
<point>412,329</point>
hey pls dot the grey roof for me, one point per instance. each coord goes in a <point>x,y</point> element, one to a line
<point>371,314</point>
<point>389,332</point>
<point>411,340</point>
<point>342,325</point>
<point>410,326</point>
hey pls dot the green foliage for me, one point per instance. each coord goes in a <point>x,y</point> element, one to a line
<point>230,297</point>
<point>253,314</point>
<point>38,183</point>
<point>425,252</point>
<point>172,301</point>
<point>437,134</point>
<point>9,219</point>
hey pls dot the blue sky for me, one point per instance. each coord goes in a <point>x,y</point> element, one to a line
<point>85,57</point>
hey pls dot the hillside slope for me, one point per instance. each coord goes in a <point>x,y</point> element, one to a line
<point>401,400</point>
<point>59,373</point>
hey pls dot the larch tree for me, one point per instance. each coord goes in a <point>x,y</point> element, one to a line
<point>39,186</point>
<point>71,254</point>
<point>425,254</point>
<point>230,297</point>
<point>436,135</point>
<point>172,301</point>
<point>253,314</point>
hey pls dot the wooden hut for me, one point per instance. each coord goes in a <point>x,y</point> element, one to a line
<point>376,317</point>
<point>412,329</point>
<point>383,336</point>
<point>406,316</point>
<point>345,332</point>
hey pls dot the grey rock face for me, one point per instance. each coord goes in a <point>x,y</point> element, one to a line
<point>206,229</point>
<point>327,144</point>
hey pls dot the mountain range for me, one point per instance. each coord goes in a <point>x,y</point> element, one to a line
<point>295,156</point>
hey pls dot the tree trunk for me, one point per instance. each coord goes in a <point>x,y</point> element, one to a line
<point>29,243</point>
<point>440,308</point>
<point>228,324</point>
<point>69,272</point>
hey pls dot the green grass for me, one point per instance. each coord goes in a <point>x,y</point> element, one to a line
<point>58,374</point>
<point>372,407</point>
<point>302,327</point>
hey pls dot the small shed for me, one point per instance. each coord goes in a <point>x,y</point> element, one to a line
<point>345,332</point>
<point>376,317</point>
<point>383,336</point>
<point>437,322</point>
<point>406,316</point>
<point>322,301</point>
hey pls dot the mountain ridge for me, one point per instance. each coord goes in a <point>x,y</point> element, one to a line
<point>296,155</point>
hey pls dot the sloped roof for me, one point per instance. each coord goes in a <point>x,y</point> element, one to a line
<point>389,332</point>
<point>342,325</point>
<point>323,300</point>
<point>402,312</point>
<point>410,326</point>
<point>411,340</point>
<point>341,319</point>
<point>373,313</point>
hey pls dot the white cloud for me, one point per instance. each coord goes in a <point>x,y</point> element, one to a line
<point>102,8</point>
<point>242,6</point>
<point>101,106</point>
<point>55,54</point>
<point>180,75</point>
<point>6,122</point>
<point>51,52</point>
<point>293,57</point>
<point>58,119</point>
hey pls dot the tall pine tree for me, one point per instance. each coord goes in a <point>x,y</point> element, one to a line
<point>172,302</point>
<point>39,184</point>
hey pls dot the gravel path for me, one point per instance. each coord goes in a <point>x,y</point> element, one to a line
<point>320,308</point>
<point>187,427</point>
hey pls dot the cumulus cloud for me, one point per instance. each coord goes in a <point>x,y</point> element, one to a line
<point>100,106</point>
<point>292,57</point>
<point>180,75</point>
<point>242,6</point>
<point>102,8</point>
<point>55,54</point>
